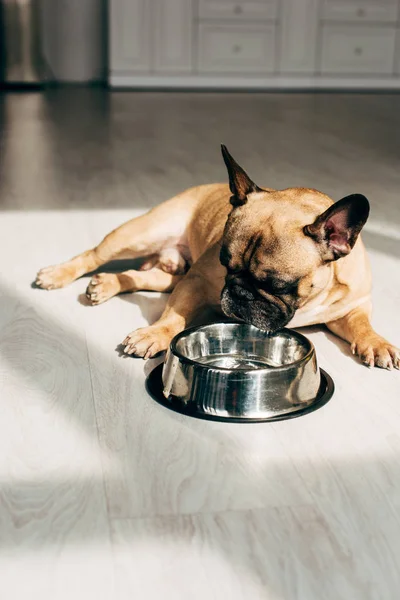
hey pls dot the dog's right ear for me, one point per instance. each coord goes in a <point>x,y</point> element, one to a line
<point>240,183</point>
<point>336,230</point>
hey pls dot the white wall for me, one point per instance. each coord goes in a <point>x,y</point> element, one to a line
<point>75,39</point>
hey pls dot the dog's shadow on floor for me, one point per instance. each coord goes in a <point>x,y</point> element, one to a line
<point>343,346</point>
<point>114,266</point>
<point>151,306</point>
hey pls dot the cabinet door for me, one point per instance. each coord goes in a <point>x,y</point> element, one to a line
<point>130,35</point>
<point>299,36</point>
<point>173,24</point>
<point>346,49</point>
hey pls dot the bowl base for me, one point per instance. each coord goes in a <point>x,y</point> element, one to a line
<point>154,386</point>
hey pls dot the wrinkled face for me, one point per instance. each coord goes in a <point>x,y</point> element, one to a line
<point>277,244</point>
<point>270,263</point>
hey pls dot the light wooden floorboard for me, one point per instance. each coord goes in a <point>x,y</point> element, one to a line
<point>260,554</point>
<point>52,500</point>
<point>84,446</point>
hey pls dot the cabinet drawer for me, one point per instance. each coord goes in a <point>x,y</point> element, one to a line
<point>361,10</point>
<point>235,48</point>
<point>346,49</point>
<point>240,10</point>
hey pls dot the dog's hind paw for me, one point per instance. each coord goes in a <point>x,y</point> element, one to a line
<point>102,287</point>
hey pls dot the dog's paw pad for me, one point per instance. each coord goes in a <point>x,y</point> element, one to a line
<point>377,353</point>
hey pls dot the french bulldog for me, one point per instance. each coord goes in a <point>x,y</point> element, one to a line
<point>263,256</point>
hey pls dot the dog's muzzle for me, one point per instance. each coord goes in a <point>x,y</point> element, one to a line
<point>267,312</point>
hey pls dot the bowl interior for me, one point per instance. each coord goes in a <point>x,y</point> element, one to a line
<point>241,346</point>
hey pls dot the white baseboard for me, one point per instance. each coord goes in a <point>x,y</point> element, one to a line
<point>253,83</point>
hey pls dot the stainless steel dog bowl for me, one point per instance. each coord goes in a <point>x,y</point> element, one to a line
<point>235,372</point>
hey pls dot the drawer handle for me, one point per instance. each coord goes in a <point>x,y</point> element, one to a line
<point>358,51</point>
<point>361,12</point>
<point>238,10</point>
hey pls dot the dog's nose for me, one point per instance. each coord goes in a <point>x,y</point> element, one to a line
<point>234,279</point>
<point>243,293</point>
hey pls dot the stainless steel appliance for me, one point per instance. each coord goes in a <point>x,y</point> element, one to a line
<point>21,59</point>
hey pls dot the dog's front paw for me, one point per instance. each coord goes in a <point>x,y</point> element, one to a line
<point>51,278</point>
<point>375,351</point>
<point>148,341</point>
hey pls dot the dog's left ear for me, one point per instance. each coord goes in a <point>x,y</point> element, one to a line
<point>240,183</point>
<point>336,230</point>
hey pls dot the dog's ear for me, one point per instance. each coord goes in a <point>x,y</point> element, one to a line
<point>240,183</point>
<point>336,230</point>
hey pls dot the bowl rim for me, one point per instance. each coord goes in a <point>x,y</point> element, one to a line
<point>191,361</point>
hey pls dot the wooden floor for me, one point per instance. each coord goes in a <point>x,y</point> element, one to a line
<point>103,493</point>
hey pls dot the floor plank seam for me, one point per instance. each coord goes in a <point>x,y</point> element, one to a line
<point>98,439</point>
<point>210,513</point>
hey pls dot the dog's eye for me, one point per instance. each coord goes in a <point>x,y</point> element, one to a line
<point>285,287</point>
<point>279,287</point>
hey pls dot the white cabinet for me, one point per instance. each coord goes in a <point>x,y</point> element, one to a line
<point>298,40</point>
<point>172,33</point>
<point>151,36</point>
<point>237,36</point>
<point>255,43</point>
<point>130,35</point>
